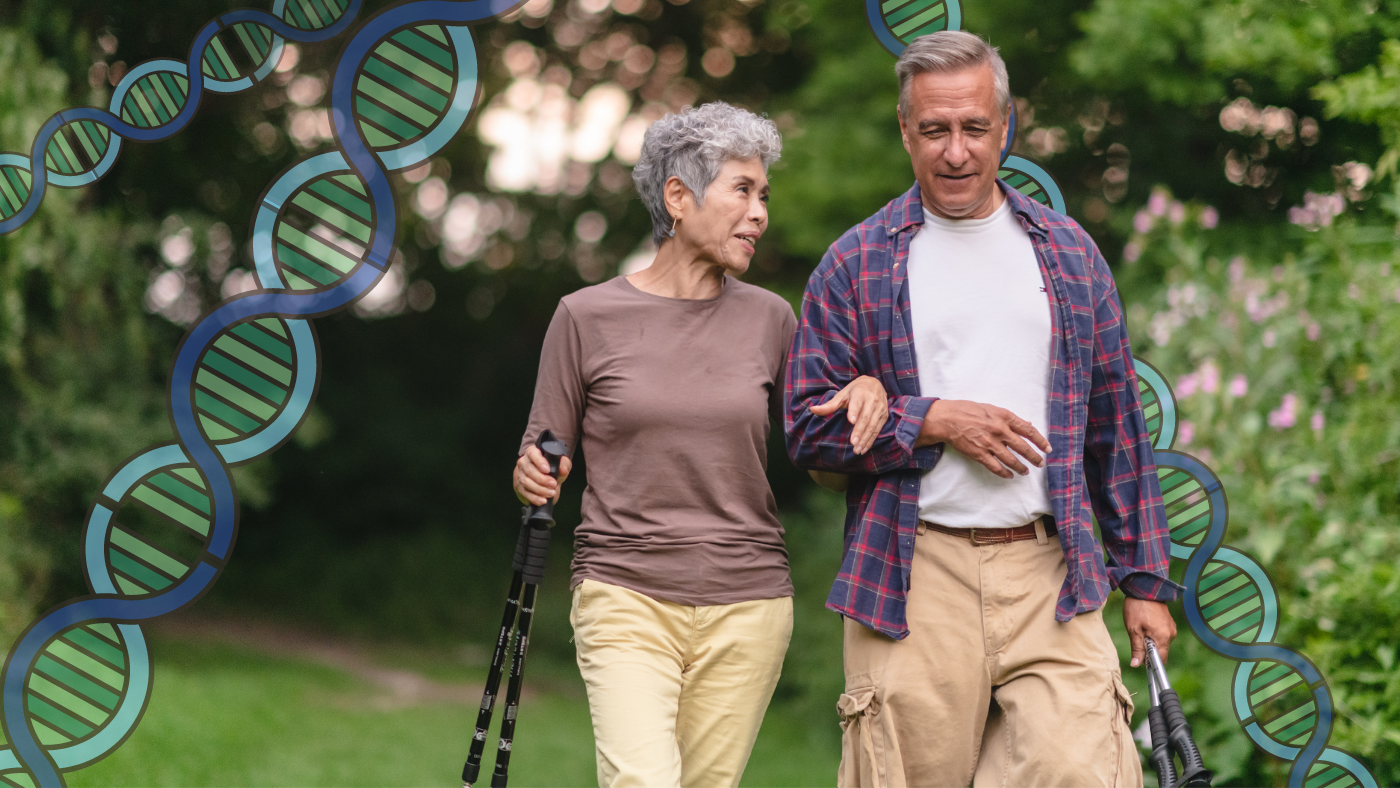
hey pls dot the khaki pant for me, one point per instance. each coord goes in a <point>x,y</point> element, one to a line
<point>987,689</point>
<point>677,692</point>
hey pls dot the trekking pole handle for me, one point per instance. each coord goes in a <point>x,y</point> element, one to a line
<point>533,545</point>
<point>553,450</point>
<point>1178,730</point>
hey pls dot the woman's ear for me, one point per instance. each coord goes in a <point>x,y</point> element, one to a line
<point>677,196</point>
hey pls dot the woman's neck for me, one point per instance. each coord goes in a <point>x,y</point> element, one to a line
<point>680,273</point>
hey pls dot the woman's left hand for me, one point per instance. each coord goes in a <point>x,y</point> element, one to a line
<point>866,406</point>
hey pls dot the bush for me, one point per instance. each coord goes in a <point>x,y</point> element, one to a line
<point>1284,355</point>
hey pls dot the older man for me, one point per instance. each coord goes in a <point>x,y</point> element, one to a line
<point>972,584</point>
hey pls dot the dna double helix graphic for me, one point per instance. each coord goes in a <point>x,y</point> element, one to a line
<point>1281,699</point>
<point>78,679</point>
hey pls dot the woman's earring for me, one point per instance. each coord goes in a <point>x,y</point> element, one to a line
<point>674,219</point>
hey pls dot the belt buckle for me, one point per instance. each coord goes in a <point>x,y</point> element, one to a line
<point>972,537</point>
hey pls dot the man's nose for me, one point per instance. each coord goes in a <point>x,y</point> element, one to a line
<point>956,153</point>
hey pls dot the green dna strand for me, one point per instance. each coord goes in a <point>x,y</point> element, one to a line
<point>1280,698</point>
<point>78,679</point>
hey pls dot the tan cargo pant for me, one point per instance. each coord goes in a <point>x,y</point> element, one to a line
<point>677,693</point>
<point>987,689</point>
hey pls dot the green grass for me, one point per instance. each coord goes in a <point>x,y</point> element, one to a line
<point>223,715</point>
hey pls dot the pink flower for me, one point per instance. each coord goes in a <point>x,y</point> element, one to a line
<point>1186,385</point>
<point>1270,338</point>
<point>1237,272</point>
<point>1317,210</point>
<point>1204,456</point>
<point>1397,295</point>
<point>1286,415</point>
<point>1313,477</point>
<point>1157,203</point>
<point>1176,212</point>
<point>1239,386</point>
<point>1142,221</point>
<point>1210,218</point>
<point>1132,251</point>
<point>1318,422</point>
<point>1210,377</point>
<point>1315,331</point>
<point>1187,433</point>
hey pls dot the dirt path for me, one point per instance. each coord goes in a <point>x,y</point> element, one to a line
<point>398,688</point>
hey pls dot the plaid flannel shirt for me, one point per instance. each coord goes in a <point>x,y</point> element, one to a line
<point>855,321</point>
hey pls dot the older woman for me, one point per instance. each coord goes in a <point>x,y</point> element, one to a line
<point>682,605</point>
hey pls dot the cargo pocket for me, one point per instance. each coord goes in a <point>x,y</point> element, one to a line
<point>861,756</point>
<point>1128,768</point>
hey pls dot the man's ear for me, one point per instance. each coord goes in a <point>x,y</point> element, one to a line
<point>903,130</point>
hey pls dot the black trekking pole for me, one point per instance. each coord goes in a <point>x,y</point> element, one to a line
<point>530,551</point>
<point>1171,734</point>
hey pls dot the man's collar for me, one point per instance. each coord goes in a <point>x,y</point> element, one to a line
<point>908,210</point>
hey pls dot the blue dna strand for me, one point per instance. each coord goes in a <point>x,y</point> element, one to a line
<point>78,679</point>
<point>1280,698</point>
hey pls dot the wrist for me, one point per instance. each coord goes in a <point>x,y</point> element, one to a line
<point>929,431</point>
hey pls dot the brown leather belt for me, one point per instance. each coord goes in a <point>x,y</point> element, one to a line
<point>981,536</point>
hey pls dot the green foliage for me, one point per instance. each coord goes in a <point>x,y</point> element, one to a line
<point>81,387</point>
<point>1371,95</point>
<point>1284,362</point>
<point>1187,52</point>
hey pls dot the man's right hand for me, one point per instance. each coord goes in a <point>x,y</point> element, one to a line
<point>990,435</point>
<point>532,482</point>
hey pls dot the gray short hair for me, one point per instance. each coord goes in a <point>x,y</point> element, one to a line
<point>947,51</point>
<point>693,145</point>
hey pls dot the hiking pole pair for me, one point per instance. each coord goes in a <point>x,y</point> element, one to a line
<point>530,552</point>
<point>1171,734</point>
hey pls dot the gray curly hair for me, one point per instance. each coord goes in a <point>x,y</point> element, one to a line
<point>693,145</point>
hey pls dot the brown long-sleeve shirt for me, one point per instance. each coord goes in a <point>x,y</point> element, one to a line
<point>671,400</point>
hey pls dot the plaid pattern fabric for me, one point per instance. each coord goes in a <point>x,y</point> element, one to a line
<point>855,321</point>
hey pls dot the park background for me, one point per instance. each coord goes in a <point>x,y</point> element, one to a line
<point>1236,161</point>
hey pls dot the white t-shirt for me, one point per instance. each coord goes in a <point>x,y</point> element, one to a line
<point>981,321</point>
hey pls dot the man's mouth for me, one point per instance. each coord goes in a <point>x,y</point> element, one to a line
<point>749,241</point>
<point>958,177</point>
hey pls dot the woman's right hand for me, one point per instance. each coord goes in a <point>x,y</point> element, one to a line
<point>531,480</point>
<point>867,408</point>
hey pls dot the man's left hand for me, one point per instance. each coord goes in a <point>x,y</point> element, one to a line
<point>1148,619</point>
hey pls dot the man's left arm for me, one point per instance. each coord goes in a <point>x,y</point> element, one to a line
<point>1121,476</point>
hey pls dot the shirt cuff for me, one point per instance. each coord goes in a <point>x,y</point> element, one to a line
<point>911,419</point>
<point>906,432</point>
<point>1154,588</point>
